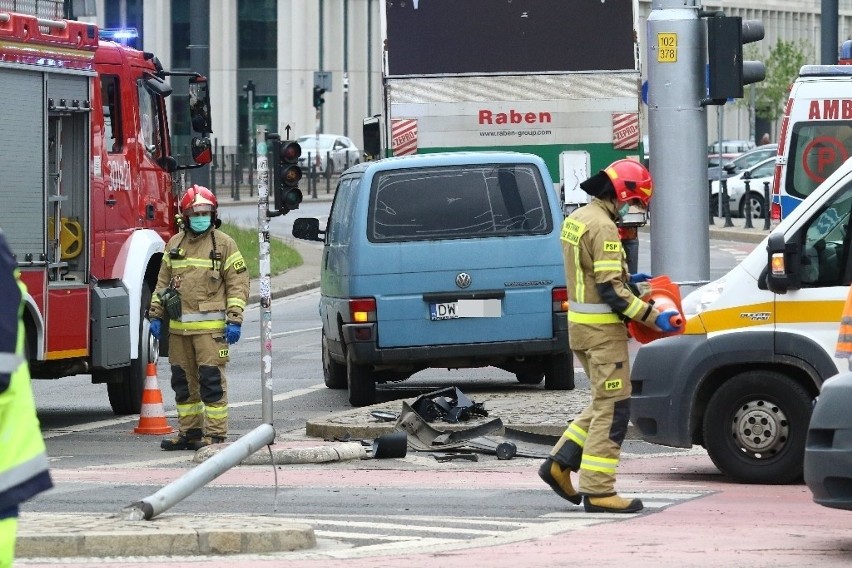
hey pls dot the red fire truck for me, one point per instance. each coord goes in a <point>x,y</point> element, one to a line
<point>87,198</point>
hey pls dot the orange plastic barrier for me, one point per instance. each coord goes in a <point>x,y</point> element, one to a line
<point>665,295</point>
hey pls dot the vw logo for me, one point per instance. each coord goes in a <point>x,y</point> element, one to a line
<point>463,280</point>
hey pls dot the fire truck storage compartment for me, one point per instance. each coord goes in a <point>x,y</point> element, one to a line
<point>22,149</point>
<point>110,325</point>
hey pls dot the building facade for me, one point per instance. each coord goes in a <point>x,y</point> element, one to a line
<point>282,45</point>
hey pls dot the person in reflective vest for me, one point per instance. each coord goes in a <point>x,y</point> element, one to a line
<point>23,458</point>
<point>202,287</point>
<point>602,296</point>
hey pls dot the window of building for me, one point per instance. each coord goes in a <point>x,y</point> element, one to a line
<point>124,15</point>
<point>257,31</point>
<point>180,35</point>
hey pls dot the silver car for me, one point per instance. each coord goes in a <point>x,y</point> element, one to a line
<point>756,175</point>
<point>327,154</point>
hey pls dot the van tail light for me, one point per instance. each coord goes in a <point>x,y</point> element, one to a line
<point>560,299</point>
<point>362,310</point>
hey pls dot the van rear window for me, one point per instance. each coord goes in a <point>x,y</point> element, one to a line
<point>458,202</point>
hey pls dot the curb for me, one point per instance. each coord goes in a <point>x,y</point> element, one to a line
<point>52,535</point>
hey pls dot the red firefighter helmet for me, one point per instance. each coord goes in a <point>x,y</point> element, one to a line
<point>631,180</point>
<point>196,199</point>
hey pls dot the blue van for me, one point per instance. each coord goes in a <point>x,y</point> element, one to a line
<point>446,260</point>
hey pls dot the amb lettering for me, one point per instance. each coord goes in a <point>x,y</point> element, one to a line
<point>830,109</point>
<point>514,117</point>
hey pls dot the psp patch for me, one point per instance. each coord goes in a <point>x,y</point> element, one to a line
<point>612,246</point>
<point>613,385</point>
<point>240,265</point>
<point>223,353</point>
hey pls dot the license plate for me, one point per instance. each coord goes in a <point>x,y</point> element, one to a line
<point>490,308</point>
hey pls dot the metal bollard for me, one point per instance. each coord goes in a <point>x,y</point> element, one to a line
<point>726,207</point>
<point>747,212</point>
<point>710,201</point>
<point>766,206</point>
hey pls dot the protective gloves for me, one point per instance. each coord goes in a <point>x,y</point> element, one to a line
<point>639,277</point>
<point>663,321</point>
<point>154,327</point>
<point>232,333</point>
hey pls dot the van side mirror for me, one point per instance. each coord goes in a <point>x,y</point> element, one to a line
<point>782,270</point>
<point>307,229</point>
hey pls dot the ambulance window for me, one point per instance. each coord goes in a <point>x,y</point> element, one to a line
<point>826,249</point>
<point>111,103</point>
<point>149,121</point>
<point>817,149</point>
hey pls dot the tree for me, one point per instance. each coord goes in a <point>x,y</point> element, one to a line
<point>782,67</point>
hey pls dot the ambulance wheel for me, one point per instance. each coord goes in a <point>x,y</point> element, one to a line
<point>333,373</point>
<point>362,384</point>
<point>559,372</point>
<point>755,427</point>
<point>125,394</point>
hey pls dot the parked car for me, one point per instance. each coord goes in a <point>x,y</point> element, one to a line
<point>742,162</point>
<point>328,153</point>
<point>756,175</point>
<point>445,260</point>
<point>731,147</point>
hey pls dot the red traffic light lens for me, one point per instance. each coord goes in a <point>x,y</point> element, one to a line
<point>291,151</point>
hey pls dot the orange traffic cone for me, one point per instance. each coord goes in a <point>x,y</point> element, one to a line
<point>665,295</point>
<point>152,419</point>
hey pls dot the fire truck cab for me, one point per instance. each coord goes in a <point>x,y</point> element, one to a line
<point>87,199</point>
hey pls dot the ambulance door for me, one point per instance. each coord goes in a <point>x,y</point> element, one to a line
<point>825,272</point>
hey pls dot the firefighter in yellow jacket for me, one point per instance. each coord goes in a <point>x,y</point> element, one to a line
<point>602,296</point>
<point>23,459</point>
<point>202,288</point>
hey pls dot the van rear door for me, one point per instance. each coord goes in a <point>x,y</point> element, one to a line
<point>474,253</point>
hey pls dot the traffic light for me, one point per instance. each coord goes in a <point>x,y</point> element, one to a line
<point>318,97</point>
<point>287,175</point>
<point>728,73</point>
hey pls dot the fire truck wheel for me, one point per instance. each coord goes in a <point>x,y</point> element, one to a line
<point>125,395</point>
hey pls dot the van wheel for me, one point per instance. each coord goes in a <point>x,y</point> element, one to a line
<point>333,373</point>
<point>529,378</point>
<point>757,206</point>
<point>755,427</point>
<point>362,385</point>
<point>559,372</point>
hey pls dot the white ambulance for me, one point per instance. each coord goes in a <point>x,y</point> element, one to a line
<point>757,345</point>
<point>815,137</point>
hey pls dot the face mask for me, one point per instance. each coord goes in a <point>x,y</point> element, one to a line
<point>199,224</point>
<point>622,210</point>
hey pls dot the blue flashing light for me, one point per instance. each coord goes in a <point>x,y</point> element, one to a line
<point>119,34</point>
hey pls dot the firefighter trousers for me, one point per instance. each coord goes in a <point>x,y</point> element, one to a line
<point>592,442</point>
<point>199,382</point>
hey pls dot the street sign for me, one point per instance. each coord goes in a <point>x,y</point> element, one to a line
<point>322,79</point>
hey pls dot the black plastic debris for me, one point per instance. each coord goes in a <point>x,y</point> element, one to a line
<point>448,405</point>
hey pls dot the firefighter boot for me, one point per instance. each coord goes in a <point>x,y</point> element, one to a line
<point>206,441</point>
<point>559,479</point>
<point>611,504</point>
<point>183,441</point>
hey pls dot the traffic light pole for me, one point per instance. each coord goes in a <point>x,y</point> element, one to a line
<point>677,121</point>
<point>264,287</point>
